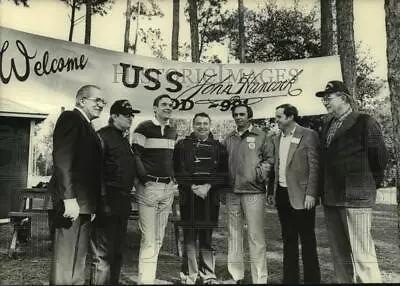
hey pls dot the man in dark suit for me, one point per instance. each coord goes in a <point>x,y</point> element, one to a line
<point>295,186</point>
<point>354,157</point>
<point>75,185</point>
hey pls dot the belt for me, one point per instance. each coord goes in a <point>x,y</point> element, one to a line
<point>164,180</point>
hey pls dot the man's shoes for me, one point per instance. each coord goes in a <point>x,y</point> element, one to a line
<point>240,281</point>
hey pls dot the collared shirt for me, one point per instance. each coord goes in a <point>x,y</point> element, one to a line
<point>335,125</point>
<point>158,123</point>
<point>84,114</point>
<point>284,146</point>
<point>202,140</point>
<point>240,133</point>
<point>155,146</point>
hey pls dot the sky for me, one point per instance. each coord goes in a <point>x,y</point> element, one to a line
<point>50,18</point>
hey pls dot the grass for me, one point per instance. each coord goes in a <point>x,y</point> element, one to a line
<point>32,262</point>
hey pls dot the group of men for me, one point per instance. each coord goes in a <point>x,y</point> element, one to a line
<point>94,174</point>
<point>91,185</point>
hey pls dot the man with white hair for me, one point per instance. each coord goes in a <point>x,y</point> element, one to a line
<point>75,185</point>
<point>354,158</point>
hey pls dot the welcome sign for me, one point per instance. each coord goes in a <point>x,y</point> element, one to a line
<point>48,72</point>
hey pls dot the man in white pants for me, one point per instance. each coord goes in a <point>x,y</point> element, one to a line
<point>154,141</point>
<point>250,156</point>
<point>354,157</point>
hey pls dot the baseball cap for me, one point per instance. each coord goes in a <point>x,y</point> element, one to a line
<point>122,107</point>
<point>332,87</point>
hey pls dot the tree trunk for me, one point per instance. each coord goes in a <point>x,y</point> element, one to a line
<point>346,46</point>
<point>175,31</point>
<point>72,23</point>
<point>392,16</point>
<point>194,31</point>
<point>127,26</point>
<point>34,173</point>
<point>88,21</point>
<point>137,28</point>
<point>242,43</point>
<point>327,42</point>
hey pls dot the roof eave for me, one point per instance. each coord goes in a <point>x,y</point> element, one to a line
<point>24,115</point>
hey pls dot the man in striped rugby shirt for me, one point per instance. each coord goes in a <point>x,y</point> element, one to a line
<point>154,142</point>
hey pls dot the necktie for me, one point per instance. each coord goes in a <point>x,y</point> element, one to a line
<point>332,130</point>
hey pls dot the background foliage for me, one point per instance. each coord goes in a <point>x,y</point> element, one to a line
<point>273,33</point>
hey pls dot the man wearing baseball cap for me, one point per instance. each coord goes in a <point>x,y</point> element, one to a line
<point>353,160</point>
<point>118,177</point>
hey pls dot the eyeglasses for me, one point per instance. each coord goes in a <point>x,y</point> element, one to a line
<point>327,99</point>
<point>98,100</point>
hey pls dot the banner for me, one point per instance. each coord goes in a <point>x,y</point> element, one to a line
<point>47,73</point>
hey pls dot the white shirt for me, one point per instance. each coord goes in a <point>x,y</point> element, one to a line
<point>284,146</point>
<point>156,122</point>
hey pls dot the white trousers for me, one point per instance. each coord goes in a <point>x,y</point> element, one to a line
<point>352,247</point>
<point>249,209</point>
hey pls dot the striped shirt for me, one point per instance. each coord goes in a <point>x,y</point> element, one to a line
<point>155,146</point>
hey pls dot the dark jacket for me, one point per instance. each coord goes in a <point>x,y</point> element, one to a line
<point>200,162</point>
<point>251,158</point>
<point>118,169</point>
<point>353,163</point>
<point>77,162</point>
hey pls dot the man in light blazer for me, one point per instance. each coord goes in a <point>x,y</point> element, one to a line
<point>295,185</point>
<point>75,185</point>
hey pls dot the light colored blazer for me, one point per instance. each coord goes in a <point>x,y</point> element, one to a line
<point>302,166</point>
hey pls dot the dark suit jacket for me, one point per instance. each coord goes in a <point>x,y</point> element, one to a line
<point>77,162</point>
<point>302,166</point>
<point>354,162</point>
